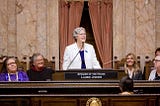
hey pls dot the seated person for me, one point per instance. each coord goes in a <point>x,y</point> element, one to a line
<point>37,71</point>
<point>155,74</point>
<point>157,52</point>
<point>80,55</point>
<point>126,85</point>
<point>131,67</point>
<point>10,71</point>
<point>151,64</point>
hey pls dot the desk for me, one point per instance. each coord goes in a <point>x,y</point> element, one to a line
<point>77,93</point>
<point>76,87</point>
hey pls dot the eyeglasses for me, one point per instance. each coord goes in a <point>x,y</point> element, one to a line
<point>39,59</point>
<point>156,60</point>
<point>11,63</point>
<point>82,34</point>
<point>129,58</point>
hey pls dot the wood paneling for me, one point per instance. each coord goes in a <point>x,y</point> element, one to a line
<point>50,101</point>
<point>11,101</point>
<point>107,100</point>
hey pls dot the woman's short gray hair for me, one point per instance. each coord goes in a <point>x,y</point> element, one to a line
<point>34,57</point>
<point>77,31</point>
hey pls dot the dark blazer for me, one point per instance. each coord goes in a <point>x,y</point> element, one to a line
<point>137,75</point>
<point>44,75</point>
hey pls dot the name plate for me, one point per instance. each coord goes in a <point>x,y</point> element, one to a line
<point>91,75</point>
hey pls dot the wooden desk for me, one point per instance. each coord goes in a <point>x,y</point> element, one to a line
<point>77,93</point>
<point>76,87</point>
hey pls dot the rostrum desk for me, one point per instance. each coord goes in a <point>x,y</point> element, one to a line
<point>77,93</point>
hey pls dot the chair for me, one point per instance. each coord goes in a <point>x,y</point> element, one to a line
<point>1,62</point>
<point>139,61</point>
<point>119,64</point>
<point>149,66</point>
<point>22,65</point>
<point>50,64</point>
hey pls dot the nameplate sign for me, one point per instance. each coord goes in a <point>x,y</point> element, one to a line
<point>91,75</point>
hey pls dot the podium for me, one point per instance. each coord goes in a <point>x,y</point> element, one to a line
<point>88,74</point>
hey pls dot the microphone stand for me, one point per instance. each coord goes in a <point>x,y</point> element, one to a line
<point>75,56</point>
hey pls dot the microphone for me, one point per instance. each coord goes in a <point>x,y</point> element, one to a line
<point>82,45</point>
<point>75,55</point>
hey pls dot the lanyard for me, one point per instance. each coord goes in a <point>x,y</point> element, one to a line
<point>9,77</point>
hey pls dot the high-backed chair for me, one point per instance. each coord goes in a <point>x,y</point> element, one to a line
<point>22,65</point>
<point>139,61</point>
<point>1,62</point>
<point>118,64</point>
<point>149,66</point>
<point>50,64</point>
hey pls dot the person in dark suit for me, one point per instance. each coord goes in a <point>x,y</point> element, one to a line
<point>80,55</point>
<point>38,71</point>
<point>131,67</point>
<point>126,85</point>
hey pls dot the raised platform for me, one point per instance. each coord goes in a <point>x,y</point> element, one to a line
<point>77,93</point>
<point>76,87</point>
<point>79,88</point>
